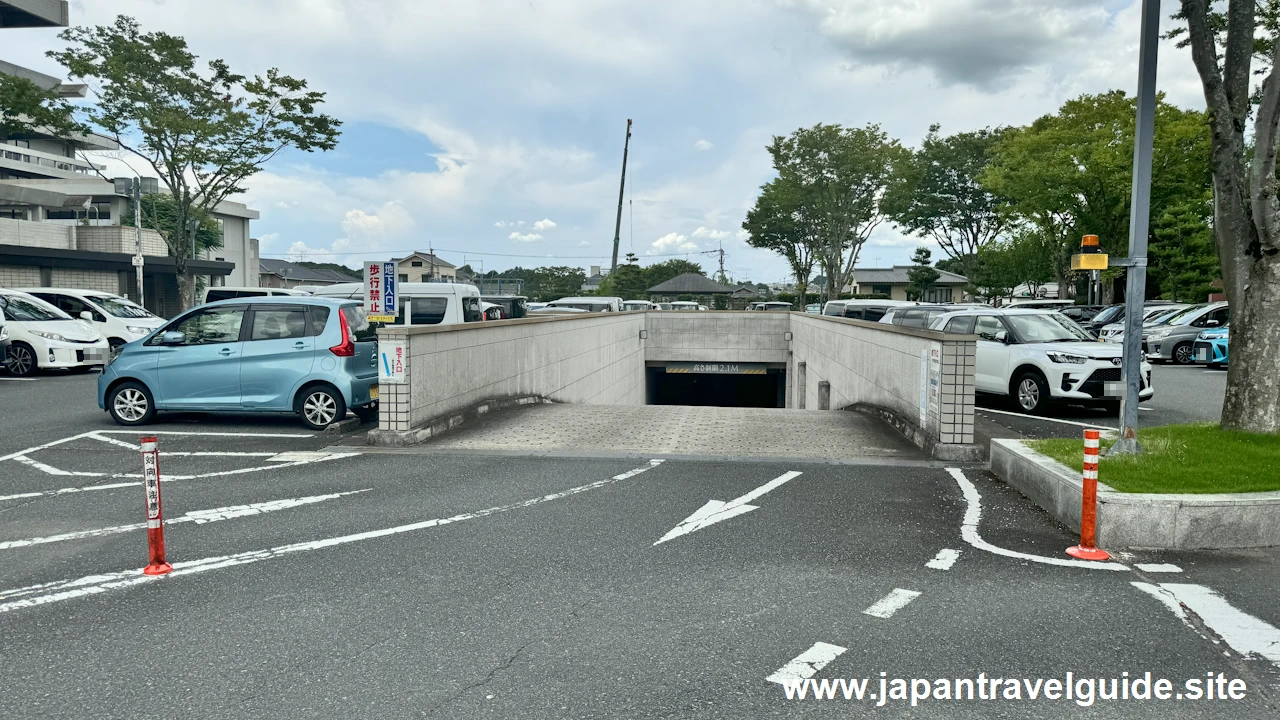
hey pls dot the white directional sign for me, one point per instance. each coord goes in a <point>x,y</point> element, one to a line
<point>715,510</point>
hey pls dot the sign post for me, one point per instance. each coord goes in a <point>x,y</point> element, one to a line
<point>155,517</point>
<point>380,291</point>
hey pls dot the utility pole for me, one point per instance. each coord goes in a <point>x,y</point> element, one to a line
<point>431,251</point>
<point>1139,220</point>
<point>617,228</point>
<point>723,278</point>
<point>137,239</point>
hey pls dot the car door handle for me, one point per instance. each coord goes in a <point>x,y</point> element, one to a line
<point>299,345</point>
<point>224,351</point>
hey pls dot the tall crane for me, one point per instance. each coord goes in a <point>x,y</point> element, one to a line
<point>617,228</point>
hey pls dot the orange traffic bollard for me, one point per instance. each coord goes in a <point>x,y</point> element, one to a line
<point>156,564</point>
<point>1086,550</point>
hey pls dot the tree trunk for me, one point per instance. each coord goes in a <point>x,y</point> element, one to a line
<point>1252,401</point>
<point>186,289</point>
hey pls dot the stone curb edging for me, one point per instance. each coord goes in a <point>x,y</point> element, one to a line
<point>953,452</point>
<point>1167,521</point>
<point>443,423</point>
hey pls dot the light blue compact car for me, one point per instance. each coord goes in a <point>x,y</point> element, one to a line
<point>312,356</point>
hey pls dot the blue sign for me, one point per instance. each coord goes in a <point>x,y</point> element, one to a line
<point>389,289</point>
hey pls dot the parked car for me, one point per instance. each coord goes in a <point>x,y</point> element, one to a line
<point>683,305</point>
<point>491,311</point>
<point>590,304</point>
<point>1039,357</point>
<point>4,339</point>
<point>814,309</point>
<point>922,316</point>
<point>315,357</point>
<point>640,305</point>
<point>118,319</point>
<point>226,292</point>
<point>421,303</point>
<point>1082,313</point>
<point>1151,316</point>
<point>770,306</point>
<point>869,310</point>
<point>1210,347</point>
<point>42,337</point>
<point>1173,340</point>
<point>513,306</point>
<point>1038,303</point>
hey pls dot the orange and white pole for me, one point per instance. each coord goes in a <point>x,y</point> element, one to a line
<point>1087,550</point>
<point>156,564</point>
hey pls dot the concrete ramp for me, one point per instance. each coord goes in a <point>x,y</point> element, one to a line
<point>680,430</point>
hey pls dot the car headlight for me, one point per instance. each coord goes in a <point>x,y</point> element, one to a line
<point>136,330</point>
<point>4,333</point>
<point>1160,334</point>
<point>1061,357</point>
<point>48,335</point>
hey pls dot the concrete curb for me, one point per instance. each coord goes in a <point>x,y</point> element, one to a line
<point>343,426</point>
<point>444,423</point>
<point>953,452</point>
<point>1168,521</point>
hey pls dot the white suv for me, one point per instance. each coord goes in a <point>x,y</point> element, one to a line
<point>1039,357</point>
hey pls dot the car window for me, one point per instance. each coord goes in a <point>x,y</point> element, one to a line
<point>74,306</point>
<point>1221,315</point>
<point>279,323</point>
<point>962,324</point>
<point>215,295</point>
<point>121,307</point>
<point>1046,327</point>
<point>24,310</point>
<point>471,309</point>
<point>427,310</point>
<point>986,327</point>
<point>835,309</point>
<point>319,318</point>
<point>358,323</point>
<point>215,325</point>
<point>873,314</point>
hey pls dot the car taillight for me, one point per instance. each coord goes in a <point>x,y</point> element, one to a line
<point>346,348</point>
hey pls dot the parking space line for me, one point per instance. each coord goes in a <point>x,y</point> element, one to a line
<point>11,456</point>
<point>199,517</point>
<point>807,663</point>
<point>58,591</point>
<point>945,558</point>
<point>51,470</point>
<point>179,453</point>
<point>1091,426</point>
<point>1245,633</point>
<point>113,441</point>
<point>886,606</point>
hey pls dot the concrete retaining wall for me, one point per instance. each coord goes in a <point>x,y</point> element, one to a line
<point>1238,520</point>
<point>924,377</point>
<point>595,359</point>
<point>717,337</point>
<point>37,234</point>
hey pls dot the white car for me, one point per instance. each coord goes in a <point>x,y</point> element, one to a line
<point>590,304</point>
<point>640,305</point>
<point>119,320</point>
<point>43,337</point>
<point>1040,357</point>
<point>1153,315</point>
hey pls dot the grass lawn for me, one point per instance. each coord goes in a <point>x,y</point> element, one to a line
<point>1182,459</point>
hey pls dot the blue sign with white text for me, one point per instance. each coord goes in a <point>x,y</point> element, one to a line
<point>389,288</point>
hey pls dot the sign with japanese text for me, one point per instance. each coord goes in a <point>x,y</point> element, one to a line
<point>393,357</point>
<point>380,289</point>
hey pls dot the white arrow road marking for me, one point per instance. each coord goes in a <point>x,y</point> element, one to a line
<point>60,590</point>
<point>886,606</point>
<point>1245,633</point>
<point>715,511</point>
<point>199,517</point>
<point>944,560</point>
<point>807,663</point>
<point>969,531</point>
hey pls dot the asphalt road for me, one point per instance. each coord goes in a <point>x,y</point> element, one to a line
<point>340,582</point>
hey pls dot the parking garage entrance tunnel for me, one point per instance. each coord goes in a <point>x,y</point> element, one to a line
<point>751,385</point>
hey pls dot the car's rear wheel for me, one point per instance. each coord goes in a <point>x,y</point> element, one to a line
<point>320,406</point>
<point>21,360</point>
<point>131,403</point>
<point>1031,393</point>
<point>1182,354</point>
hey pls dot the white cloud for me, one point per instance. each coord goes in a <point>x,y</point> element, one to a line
<point>672,243</point>
<point>584,243</point>
<point>703,232</point>
<point>702,145</point>
<point>500,224</point>
<point>525,238</point>
<point>544,224</point>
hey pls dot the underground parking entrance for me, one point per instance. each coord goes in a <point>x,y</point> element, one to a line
<point>716,384</point>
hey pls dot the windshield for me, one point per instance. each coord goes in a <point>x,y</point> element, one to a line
<point>1109,315</point>
<point>1047,328</point>
<point>30,310</point>
<point>1185,316</point>
<point>1162,316</point>
<point>120,307</point>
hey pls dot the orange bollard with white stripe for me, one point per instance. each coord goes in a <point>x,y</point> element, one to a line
<point>1086,550</point>
<point>156,564</point>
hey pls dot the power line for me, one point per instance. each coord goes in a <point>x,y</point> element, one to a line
<point>460,252</point>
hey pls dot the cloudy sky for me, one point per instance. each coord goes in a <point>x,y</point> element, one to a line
<point>492,129</point>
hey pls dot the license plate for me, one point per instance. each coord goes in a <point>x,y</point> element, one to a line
<point>1203,355</point>
<point>373,392</point>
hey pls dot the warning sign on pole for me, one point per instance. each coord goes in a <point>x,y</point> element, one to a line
<point>380,291</point>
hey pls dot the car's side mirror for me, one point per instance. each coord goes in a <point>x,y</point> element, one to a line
<point>1002,336</point>
<point>86,315</point>
<point>1213,323</point>
<point>173,337</point>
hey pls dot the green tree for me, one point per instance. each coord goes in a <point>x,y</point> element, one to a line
<point>922,275</point>
<point>720,302</point>
<point>1070,173</point>
<point>25,107</point>
<point>944,200</point>
<point>843,177</point>
<point>780,221</point>
<point>160,213</point>
<point>1024,259</point>
<point>627,282</point>
<point>203,133</point>
<point>1183,258</point>
<point>659,273</point>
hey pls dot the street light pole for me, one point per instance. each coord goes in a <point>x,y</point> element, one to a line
<point>1139,220</point>
<point>137,236</point>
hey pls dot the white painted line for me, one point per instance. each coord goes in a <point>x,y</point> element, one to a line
<point>51,470</point>
<point>93,584</point>
<point>945,558</point>
<point>23,495</point>
<point>715,510</point>
<point>113,441</point>
<point>180,453</point>
<point>807,663</point>
<point>295,456</point>
<point>969,531</point>
<point>42,447</point>
<point>1158,567</point>
<point>204,434</point>
<point>1245,633</point>
<point>1091,426</point>
<point>886,606</point>
<point>199,517</point>
<point>1167,599</point>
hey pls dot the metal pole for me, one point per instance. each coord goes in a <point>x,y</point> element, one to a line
<point>1139,219</point>
<point>617,228</point>
<point>137,240</point>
